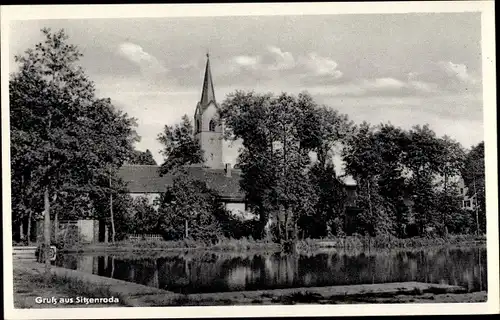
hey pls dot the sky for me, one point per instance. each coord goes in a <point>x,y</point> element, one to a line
<point>406,69</point>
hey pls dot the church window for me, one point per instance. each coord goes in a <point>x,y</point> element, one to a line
<point>198,126</point>
<point>211,125</point>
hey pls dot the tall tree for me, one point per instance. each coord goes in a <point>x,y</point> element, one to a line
<point>276,136</point>
<point>392,181</point>
<point>247,119</point>
<point>63,135</point>
<point>179,146</point>
<point>323,130</point>
<point>451,165</point>
<point>327,218</point>
<point>473,173</point>
<point>363,161</point>
<point>291,158</point>
<point>422,157</point>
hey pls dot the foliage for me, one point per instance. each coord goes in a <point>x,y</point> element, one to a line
<point>64,139</point>
<point>180,147</point>
<point>145,217</point>
<point>278,134</point>
<point>330,206</point>
<point>246,117</point>
<point>363,160</point>
<point>474,178</point>
<point>190,200</point>
<point>142,158</point>
<point>405,180</point>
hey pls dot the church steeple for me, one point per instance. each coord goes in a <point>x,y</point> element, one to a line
<point>207,93</point>
<point>208,128</point>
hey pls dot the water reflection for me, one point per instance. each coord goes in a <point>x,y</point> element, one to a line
<point>213,272</point>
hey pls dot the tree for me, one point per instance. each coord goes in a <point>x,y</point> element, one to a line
<point>179,146</point>
<point>393,178</point>
<point>363,161</point>
<point>290,159</point>
<point>276,134</point>
<point>63,137</point>
<point>451,164</point>
<point>328,214</point>
<point>423,158</point>
<point>474,177</point>
<point>189,209</point>
<point>323,130</point>
<point>145,216</point>
<point>247,118</point>
<point>142,158</point>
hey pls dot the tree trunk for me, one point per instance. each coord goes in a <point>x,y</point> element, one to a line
<point>278,223</point>
<point>295,231</point>
<point>286,225</point>
<point>112,267</point>
<point>46,201</point>
<point>476,205</point>
<point>112,219</point>
<point>446,199</point>
<point>370,202</point>
<point>186,229</point>
<point>21,231</point>
<point>111,212</point>
<point>56,226</point>
<point>28,234</point>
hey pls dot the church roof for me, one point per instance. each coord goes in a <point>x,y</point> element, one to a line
<point>207,93</point>
<point>146,179</point>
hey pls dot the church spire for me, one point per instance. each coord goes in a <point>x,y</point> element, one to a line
<point>207,93</point>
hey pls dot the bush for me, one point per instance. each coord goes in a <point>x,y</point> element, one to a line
<point>68,237</point>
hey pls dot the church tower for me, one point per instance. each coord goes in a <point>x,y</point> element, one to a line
<point>207,126</point>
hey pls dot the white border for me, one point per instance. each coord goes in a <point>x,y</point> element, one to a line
<point>129,11</point>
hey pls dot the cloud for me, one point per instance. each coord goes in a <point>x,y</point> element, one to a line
<point>314,72</point>
<point>246,61</point>
<point>456,70</point>
<point>272,60</point>
<point>136,54</point>
<point>382,87</point>
<point>275,63</point>
<point>386,83</point>
<point>276,59</point>
<point>447,76</point>
<point>321,66</point>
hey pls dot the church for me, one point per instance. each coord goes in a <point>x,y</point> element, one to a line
<point>145,180</point>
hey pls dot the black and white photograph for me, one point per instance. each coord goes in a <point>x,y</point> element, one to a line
<point>269,157</point>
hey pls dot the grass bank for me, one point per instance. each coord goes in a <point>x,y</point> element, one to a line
<point>375,293</point>
<point>415,296</point>
<point>355,242</point>
<point>239,245</point>
<point>385,242</point>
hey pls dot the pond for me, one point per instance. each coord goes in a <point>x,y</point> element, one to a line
<point>204,272</point>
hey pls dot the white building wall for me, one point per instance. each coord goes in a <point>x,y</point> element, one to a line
<point>86,229</point>
<point>238,209</point>
<point>150,196</point>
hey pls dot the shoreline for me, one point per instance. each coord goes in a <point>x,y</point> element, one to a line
<point>352,244</point>
<point>80,284</point>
